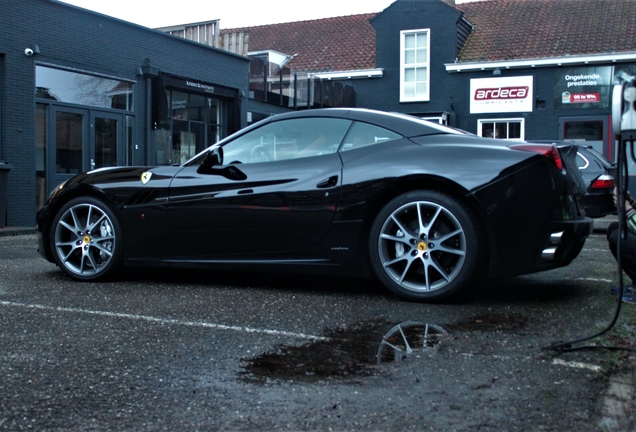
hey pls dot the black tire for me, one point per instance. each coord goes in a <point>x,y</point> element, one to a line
<point>423,246</point>
<point>86,240</point>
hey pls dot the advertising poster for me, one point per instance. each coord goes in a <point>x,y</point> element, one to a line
<point>624,72</point>
<point>582,87</point>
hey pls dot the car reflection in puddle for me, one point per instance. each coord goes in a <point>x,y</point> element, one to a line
<point>346,353</point>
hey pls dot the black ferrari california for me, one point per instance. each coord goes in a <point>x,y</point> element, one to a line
<point>423,208</point>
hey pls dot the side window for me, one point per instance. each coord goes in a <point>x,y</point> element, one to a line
<point>364,134</point>
<point>287,139</point>
<point>501,129</point>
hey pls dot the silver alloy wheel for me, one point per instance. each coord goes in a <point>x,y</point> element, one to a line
<point>85,239</point>
<point>422,246</point>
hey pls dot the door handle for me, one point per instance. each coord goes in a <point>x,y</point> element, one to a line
<point>328,183</point>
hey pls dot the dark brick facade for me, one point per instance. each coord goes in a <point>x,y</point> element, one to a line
<point>75,38</point>
<point>441,19</point>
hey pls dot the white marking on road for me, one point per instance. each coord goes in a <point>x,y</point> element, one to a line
<point>594,279</point>
<point>577,365</point>
<point>165,321</point>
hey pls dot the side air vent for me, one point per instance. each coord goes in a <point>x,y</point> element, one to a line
<point>142,197</point>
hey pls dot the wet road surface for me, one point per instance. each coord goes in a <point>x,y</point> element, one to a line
<point>207,351</point>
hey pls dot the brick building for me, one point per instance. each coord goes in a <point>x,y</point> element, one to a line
<point>81,90</point>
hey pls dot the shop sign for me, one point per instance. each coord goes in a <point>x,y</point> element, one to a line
<point>584,87</point>
<point>568,97</point>
<point>501,95</point>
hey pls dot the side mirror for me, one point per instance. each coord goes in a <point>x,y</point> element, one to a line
<point>213,165</point>
<point>214,157</point>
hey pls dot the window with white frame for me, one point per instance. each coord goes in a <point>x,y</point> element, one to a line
<point>512,129</point>
<point>414,65</point>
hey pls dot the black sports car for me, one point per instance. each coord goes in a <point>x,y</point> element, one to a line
<point>422,207</point>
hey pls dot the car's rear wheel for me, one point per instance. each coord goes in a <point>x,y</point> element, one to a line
<point>86,239</point>
<point>424,245</point>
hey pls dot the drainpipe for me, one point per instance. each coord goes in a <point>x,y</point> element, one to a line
<point>148,120</point>
<point>149,73</point>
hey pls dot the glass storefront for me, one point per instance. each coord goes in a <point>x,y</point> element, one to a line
<point>194,123</point>
<point>83,122</point>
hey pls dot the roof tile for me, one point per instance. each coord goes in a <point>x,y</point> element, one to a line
<point>503,30</point>
<point>533,29</point>
<point>323,45</point>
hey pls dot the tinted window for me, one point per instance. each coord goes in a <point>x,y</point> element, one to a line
<point>365,134</point>
<point>287,139</point>
<point>83,89</point>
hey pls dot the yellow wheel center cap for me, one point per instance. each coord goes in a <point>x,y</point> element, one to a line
<point>421,246</point>
<point>87,239</point>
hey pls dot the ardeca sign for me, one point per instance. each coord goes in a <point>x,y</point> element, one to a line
<point>501,95</point>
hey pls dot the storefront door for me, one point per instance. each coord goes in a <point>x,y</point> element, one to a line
<point>588,130</point>
<point>82,140</point>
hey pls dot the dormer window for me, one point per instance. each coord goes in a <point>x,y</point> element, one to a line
<point>414,65</point>
<point>274,60</point>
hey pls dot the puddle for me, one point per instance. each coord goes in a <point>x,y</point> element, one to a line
<point>348,353</point>
<point>359,350</point>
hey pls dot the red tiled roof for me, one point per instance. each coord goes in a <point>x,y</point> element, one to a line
<point>503,30</point>
<point>323,45</point>
<point>532,29</point>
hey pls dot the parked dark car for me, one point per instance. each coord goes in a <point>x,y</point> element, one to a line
<point>424,208</point>
<point>599,175</point>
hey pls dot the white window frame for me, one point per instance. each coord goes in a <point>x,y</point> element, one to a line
<point>521,120</point>
<point>404,66</point>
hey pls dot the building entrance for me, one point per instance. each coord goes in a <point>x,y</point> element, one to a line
<point>77,140</point>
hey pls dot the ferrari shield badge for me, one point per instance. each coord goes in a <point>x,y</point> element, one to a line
<point>145,177</point>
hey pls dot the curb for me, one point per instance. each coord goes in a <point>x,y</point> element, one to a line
<point>16,231</point>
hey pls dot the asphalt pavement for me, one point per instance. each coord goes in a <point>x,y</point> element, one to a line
<point>166,350</point>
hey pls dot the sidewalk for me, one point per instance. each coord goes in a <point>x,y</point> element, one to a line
<point>15,231</point>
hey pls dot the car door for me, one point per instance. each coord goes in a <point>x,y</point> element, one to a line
<point>276,191</point>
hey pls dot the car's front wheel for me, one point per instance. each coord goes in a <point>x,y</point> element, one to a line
<point>424,245</point>
<point>86,239</point>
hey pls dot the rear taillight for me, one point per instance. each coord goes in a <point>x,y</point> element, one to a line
<point>548,150</point>
<point>604,181</point>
